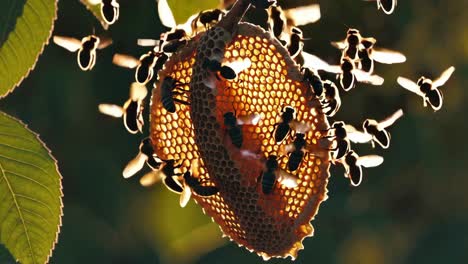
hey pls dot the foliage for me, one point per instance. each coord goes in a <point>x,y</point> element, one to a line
<point>25,42</point>
<point>30,191</point>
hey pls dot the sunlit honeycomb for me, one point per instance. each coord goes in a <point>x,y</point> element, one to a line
<point>272,225</point>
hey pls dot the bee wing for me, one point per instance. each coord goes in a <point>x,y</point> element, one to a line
<point>364,77</point>
<point>134,165</point>
<point>341,45</point>
<point>104,42</point>
<point>443,77</point>
<point>148,42</point>
<point>409,85</point>
<point>303,15</point>
<point>369,161</point>
<point>138,91</point>
<point>111,110</point>
<point>357,136</point>
<point>287,179</point>
<point>387,56</point>
<point>251,119</point>
<point>390,120</point>
<point>69,43</point>
<point>314,62</point>
<point>239,65</point>
<point>151,178</point>
<point>165,14</point>
<point>126,61</point>
<point>185,196</point>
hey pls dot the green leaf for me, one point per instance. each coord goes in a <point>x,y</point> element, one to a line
<point>30,194</point>
<point>183,9</point>
<point>28,26</point>
<point>96,11</point>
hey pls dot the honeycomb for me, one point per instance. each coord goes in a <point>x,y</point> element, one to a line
<point>272,225</point>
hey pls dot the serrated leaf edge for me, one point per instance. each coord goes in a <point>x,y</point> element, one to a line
<point>58,172</point>
<point>25,75</point>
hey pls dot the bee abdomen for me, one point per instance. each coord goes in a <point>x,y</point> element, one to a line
<point>168,104</point>
<point>236,136</point>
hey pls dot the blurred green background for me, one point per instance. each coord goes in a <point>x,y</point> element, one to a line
<point>413,209</point>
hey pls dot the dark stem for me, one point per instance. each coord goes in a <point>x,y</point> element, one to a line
<point>233,17</point>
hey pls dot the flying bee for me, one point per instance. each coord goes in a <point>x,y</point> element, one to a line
<point>273,174</point>
<point>374,131</point>
<point>388,6</point>
<point>207,18</point>
<point>109,10</point>
<point>350,45</point>
<point>131,110</point>
<point>340,136</point>
<point>331,102</point>
<point>146,66</point>
<point>368,54</point>
<point>234,126</point>
<point>167,174</point>
<point>145,154</point>
<point>169,88</point>
<point>263,4</point>
<point>353,166</point>
<point>296,43</point>
<point>428,89</point>
<point>283,128</point>
<point>86,48</point>
<point>314,81</point>
<point>276,21</point>
<point>349,75</point>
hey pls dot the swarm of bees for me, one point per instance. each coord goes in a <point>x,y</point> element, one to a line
<point>279,170</point>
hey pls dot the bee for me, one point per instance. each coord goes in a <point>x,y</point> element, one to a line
<point>368,54</point>
<point>388,6</point>
<point>283,128</point>
<point>109,10</point>
<point>215,66</point>
<point>234,126</point>
<point>296,42</point>
<point>296,151</point>
<point>263,4</point>
<point>173,45</point>
<point>169,88</point>
<point>353,166</point>
<point>207,18</point>
<point>131,111</point>
<point>331,102</point>
<point>340,135</point>
<point>276,21</point>
<point>272,174</point>
<point>175,34</point>
<point>428,89</point>
<point>146,66</point>
<point>167,174</point>
<point>315,82</point>
<point>86,48</point>
<point>349,75</point>
<point>191,183</point>
<point>350,45</point>
<point>145,154</point>
<point>374,131</point>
